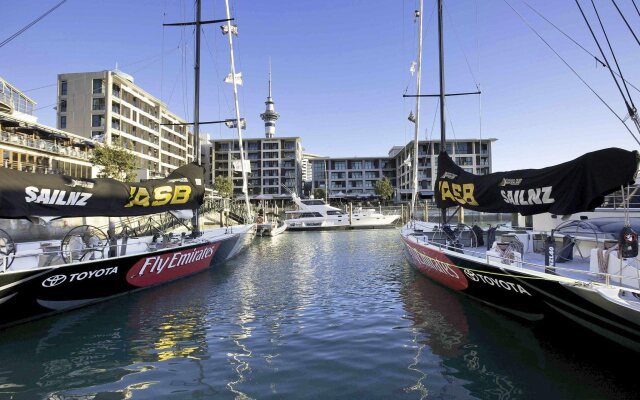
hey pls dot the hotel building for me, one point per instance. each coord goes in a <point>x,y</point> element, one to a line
<point>109,107</point>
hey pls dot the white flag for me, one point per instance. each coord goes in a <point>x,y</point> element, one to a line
<point>407,162</point>
<point>237,166</point>
<point>225,29</point>
<point>413,67</point>
<point>229,78</point>
<point>231,123</point>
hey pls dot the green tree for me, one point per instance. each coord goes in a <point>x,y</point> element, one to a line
<point>116,162</point>
<point>224,186</point>
<point>318,193</point>
<point>384,189</point>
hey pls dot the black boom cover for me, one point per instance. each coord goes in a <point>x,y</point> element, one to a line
<point>571,187</point>
<point>24,194</point>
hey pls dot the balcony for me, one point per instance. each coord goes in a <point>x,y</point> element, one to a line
<point>44,145</point>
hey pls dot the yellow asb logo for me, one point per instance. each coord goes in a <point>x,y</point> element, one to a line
<point>162,195</point>
<point>461,194</point>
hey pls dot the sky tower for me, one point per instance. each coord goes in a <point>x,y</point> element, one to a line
<point>269,116</point>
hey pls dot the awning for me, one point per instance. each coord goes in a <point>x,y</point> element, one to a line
<point>9,123</point>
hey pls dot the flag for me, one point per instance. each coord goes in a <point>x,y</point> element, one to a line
<point>229,78</point>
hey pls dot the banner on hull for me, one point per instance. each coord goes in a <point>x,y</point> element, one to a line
<point>567,188</point>
<point>24,194</point>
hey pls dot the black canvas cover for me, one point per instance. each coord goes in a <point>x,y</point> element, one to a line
<point>571,187</point>
<point>24,194</point>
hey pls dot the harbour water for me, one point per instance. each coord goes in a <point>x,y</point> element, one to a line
<point>309,315</point>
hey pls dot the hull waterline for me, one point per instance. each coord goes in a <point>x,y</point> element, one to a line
<point>531,295</point>
<point>35,293</point>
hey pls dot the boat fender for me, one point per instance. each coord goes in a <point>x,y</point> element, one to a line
<point>259,220</point>
<point>628,243</point>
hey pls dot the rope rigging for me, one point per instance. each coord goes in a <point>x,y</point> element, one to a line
<point>635,6</point>
<point>572,70</point>
<point>598,60</point>
<point>631,109</point>
<point>625,21</point>
<point>629,101</point>
<point>32,23</point>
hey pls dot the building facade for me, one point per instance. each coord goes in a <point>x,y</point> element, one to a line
<point>353,176</point>
<point>109,107</point>
<point>276,164</point>
<point>356,176</point>
<point>26,145</point>
<point>472,155</point>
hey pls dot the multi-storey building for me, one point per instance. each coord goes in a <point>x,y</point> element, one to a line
<point>472,155</point>
<point>307,165</point>
<point>356,176</point>
<point>353,176</point>
<point>275,164</point>
<point>26,145</point>
<point>109,107</point>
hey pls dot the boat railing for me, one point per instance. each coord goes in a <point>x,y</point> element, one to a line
<point>603,278</point>
<point>50,254</point>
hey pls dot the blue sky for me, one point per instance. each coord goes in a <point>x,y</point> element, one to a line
<point>340,68</point>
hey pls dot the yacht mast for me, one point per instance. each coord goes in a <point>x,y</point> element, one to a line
<point>443,135</point>
<point>234,78</point>
<point>414,166</point>
<point>196,111</point>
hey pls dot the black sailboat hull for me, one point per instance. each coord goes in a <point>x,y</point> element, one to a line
<point>36,293</point>
<point>530,295</point>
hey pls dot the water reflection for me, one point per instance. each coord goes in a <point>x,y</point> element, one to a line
<point>95,348</point>
<point>488,355</point>
<point>305,316</point>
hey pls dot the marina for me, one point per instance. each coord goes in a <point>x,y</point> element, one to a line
<point>156,245</point>
<point>285,320</point>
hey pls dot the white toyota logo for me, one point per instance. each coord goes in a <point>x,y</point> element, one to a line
<point>54,280</point>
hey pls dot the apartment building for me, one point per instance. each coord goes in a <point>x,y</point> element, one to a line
<point>109,107</point>
<point>276,164</point>
<point>356,176</point>
<point>472,155</point>
<point>26,145</point>
<point>352,176</point>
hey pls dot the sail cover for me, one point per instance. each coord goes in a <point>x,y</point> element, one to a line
<point>24,194</point>
<point>571,187</point>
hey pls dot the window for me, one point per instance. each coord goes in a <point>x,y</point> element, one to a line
<point>63,106</point>
<point>63,88</point>
<point>97,86</point>
<point>96,121</point>
<point>334,212</point>
<point>63,122</point>
<point>97,104</point>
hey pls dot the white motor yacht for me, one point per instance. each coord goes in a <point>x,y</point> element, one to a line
<point>315,214</point>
